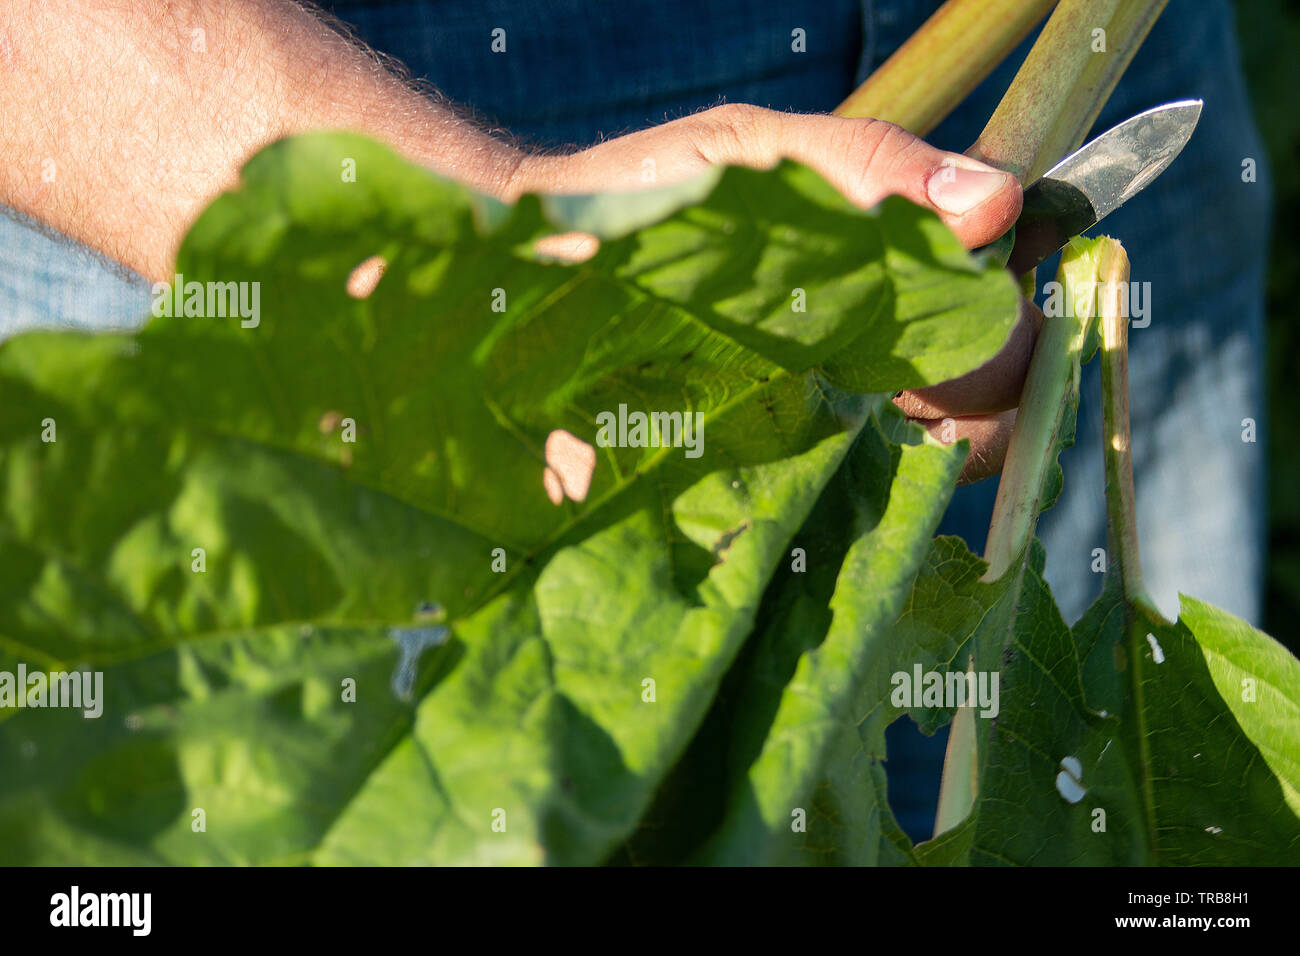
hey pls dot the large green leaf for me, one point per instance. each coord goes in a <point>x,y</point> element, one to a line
<point>822,749</point>
<point>224,689</point>
<point>788,765</point>
<point>1129,739</point>
<point>1187,747</point>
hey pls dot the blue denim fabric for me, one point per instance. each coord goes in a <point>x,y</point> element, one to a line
<point>577,71</point>
<point>49,281</point>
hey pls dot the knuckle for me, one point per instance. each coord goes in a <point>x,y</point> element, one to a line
<point>902,151</point>
<point>732,131</point>
<point>858,141</point>
<point>878,140</point>
<point>878,152</point>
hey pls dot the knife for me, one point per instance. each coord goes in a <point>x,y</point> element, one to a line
<point>1098,178</point>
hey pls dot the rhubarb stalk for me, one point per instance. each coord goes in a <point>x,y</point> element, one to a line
<point>1051,104</point>
<point>929,75</point>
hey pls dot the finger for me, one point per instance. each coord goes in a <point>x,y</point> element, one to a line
<point>864,159</point>
<point>869,159</point>
<point>989,436</point>
<point>993,387</point>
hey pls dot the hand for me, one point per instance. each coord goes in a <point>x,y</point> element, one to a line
<point>865,160</point>
<point>980,405</point>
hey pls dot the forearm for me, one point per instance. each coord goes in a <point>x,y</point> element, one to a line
<point>122,119</point>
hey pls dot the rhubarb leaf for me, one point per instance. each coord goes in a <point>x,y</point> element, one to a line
<point>309,545</point>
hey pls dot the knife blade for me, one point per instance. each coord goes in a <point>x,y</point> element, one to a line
<point>1098,178</point>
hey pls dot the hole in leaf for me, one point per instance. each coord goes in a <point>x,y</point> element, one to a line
<point>569,246</point>
<point>570,462</point>
<point>915,766</point>
<point>364,278</point>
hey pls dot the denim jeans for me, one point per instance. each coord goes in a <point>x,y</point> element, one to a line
<point>575,71</point>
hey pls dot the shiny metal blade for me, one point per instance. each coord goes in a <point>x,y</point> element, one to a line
<point>1095,180</point>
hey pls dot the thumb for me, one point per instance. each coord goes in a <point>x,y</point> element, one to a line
<point>868,159</point>
<point>864,159</point>
<point>977,202</point>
